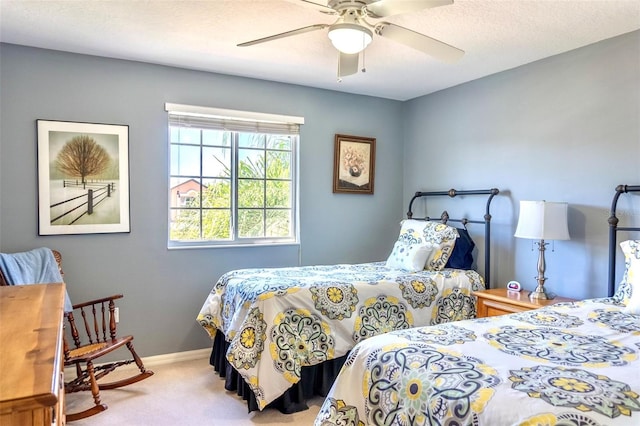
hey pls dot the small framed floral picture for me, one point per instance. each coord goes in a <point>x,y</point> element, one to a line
<point>354,164</point>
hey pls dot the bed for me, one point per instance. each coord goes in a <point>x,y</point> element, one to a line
<point>572,363</point>
<point>280,335</point>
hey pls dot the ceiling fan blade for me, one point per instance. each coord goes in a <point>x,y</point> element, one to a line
<point>421,42</point>
<point>384,8</point>
<point>347,64</point>
<point>315,5</point>
<point>285,34</point>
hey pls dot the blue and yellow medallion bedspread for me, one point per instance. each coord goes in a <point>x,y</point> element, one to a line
<point>278,320</point>
<point>568,364</point>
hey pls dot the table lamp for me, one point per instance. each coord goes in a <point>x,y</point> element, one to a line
<point>542,220</point>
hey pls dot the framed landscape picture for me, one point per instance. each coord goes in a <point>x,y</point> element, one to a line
<point>83,178</point>
<point>354,164</point>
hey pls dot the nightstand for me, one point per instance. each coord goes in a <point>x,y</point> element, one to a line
<point>500,301</point>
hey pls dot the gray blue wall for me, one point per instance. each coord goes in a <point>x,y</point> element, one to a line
<point>164,289</point>
<point>563,129</point>
<point>566,128</point>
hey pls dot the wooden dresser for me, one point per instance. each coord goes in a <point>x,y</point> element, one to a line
<point>31,357</point>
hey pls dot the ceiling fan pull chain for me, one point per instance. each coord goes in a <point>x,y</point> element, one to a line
<point>339,78</point>
<point>364,64</point>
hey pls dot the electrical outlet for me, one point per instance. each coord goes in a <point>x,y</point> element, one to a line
<point>116,314</point>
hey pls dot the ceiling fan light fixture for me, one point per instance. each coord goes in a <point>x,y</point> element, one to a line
<point>350,38</point>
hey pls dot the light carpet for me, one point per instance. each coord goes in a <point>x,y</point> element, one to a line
<point>181,393</point>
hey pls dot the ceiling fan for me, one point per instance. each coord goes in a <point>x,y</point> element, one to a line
<point>351,33</point>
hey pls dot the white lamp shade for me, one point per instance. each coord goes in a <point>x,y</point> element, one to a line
<point>350,38</point>
<point>543,220</point>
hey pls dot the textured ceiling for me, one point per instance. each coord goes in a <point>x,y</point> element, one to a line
<point>202,35</point>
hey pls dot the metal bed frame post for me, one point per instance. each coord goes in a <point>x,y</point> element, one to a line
<point>613,232</point>
<point>487,220</point>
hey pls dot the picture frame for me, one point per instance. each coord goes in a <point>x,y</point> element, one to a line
<point>83,178</point>
<point>354,164</point>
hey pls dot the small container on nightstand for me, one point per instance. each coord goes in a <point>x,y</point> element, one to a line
<point>500,301</point>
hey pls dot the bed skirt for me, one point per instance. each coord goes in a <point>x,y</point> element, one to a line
<point>315,380</point>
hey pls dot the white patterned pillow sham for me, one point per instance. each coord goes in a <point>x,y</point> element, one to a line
<point>629,291</point>
<point>443,238</point>
<point>410,251</point>
<point>422,245</point>
<point>408,257</point>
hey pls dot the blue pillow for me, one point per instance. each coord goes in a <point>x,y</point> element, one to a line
<point>462,254</point>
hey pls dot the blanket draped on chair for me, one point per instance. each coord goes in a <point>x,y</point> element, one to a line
<point>37,266</point>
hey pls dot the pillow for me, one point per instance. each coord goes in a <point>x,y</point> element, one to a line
<point>462,254</point>
<point>410,252</point>
<point>633,305</point>
<point>631,294</point>
<point>431,240</point>
<point>442,237</point>
<point>623,293</point>
<point>408,257</point>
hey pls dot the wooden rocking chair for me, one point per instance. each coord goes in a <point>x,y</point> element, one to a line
<point>94,337</point>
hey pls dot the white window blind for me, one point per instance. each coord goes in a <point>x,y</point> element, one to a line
<point>232,120</point>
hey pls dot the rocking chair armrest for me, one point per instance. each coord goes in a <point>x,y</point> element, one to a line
<point>97,301</point>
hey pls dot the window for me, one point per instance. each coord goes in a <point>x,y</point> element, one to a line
<point>232,177</point>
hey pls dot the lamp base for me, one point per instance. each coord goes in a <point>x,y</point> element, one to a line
<point>540,294</point>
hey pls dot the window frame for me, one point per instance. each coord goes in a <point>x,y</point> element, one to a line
<point>245,118</point>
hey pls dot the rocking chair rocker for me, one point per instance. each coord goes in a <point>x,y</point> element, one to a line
<point>94,337</point>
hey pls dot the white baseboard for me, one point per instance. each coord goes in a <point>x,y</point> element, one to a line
<point>163,359</point>
<point>176,357</point>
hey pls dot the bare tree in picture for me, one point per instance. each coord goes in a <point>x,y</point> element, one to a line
<point>82,157</point>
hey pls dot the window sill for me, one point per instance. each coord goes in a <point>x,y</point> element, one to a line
<point>231,245</point>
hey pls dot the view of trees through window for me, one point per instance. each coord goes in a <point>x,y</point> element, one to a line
<point>228,187</point>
